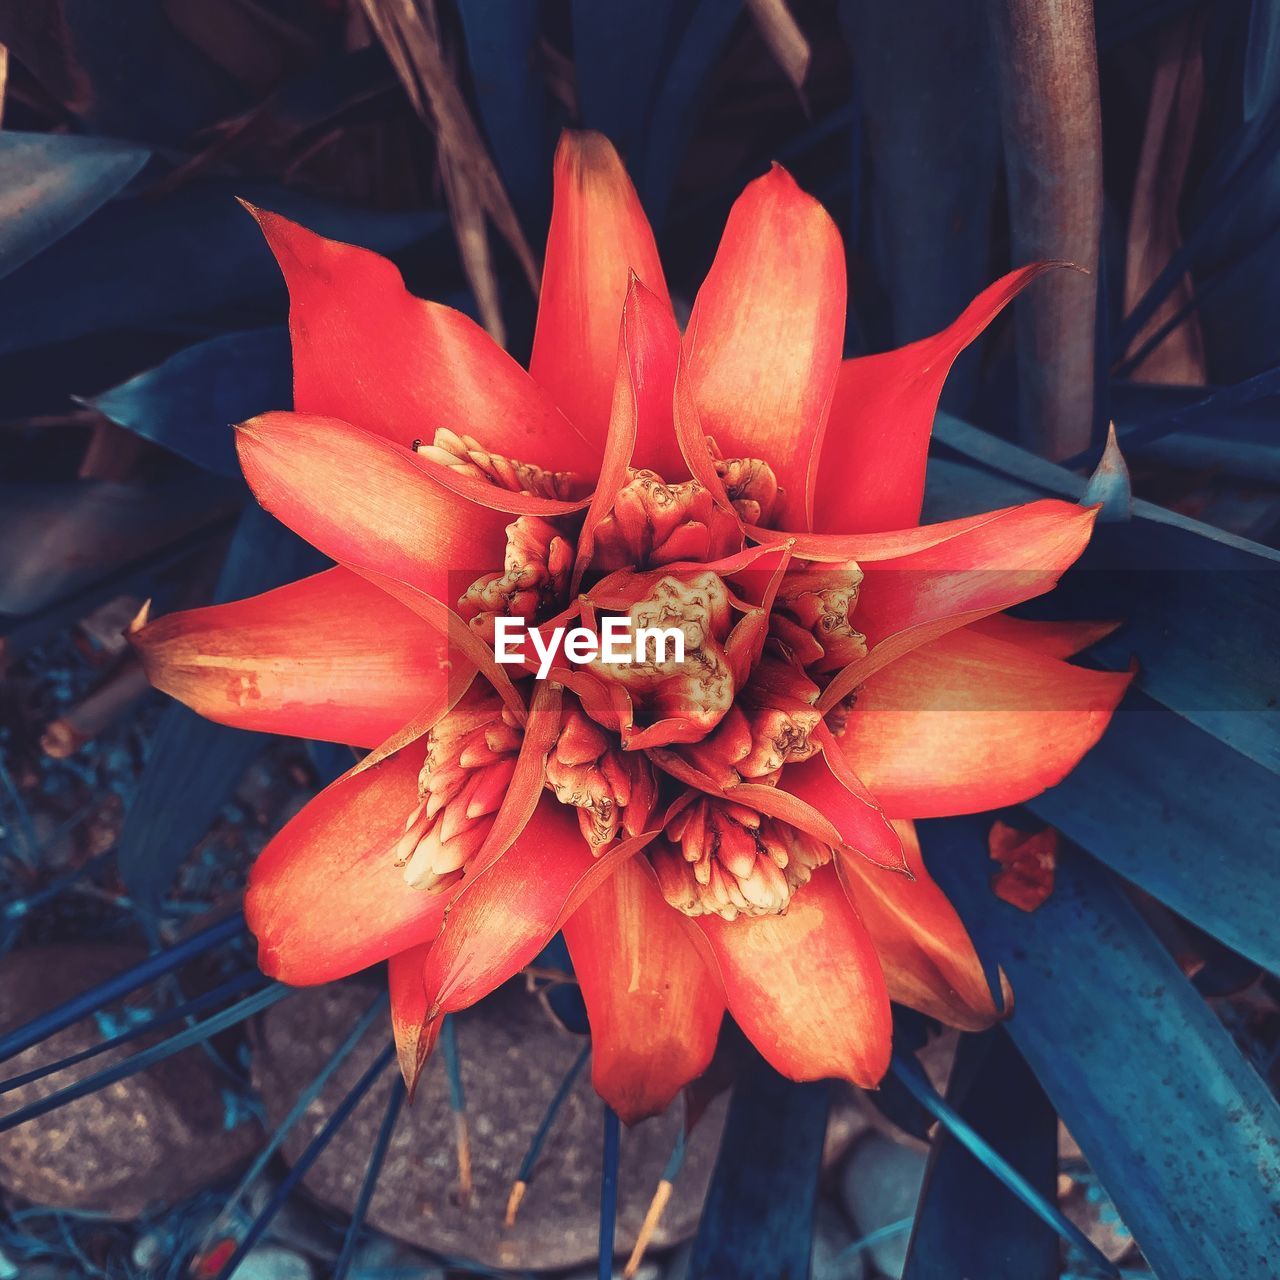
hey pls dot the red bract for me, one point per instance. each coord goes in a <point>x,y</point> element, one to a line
<point>730,832</point>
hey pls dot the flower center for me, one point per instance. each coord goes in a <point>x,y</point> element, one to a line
<point>693,692</point>
<point>532,583</point>
<point>652,741</point>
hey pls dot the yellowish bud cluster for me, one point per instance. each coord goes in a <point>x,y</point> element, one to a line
<point>466,455</point>
<point>721,858</point>
<point>470,758</point>
<point>613,790</point>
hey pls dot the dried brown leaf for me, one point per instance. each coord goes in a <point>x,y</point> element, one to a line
<point>474,191</point>
<point>1177,92</point>
<point>786,41</point>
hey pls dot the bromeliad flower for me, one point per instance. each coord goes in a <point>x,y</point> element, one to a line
<point>730,830</point>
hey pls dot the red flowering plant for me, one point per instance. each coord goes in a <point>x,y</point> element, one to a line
<point>727,830</point>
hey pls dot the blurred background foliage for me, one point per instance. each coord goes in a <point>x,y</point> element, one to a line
<point>140,314</point>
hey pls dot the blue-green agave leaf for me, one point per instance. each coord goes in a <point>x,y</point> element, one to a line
<point>968,1221</point>
<point>1178,1126</point>
<point>189,403</point>
<point>502,50</point>
<point>758,1219</point>
<point>144,261</point>
<point>50,183</point>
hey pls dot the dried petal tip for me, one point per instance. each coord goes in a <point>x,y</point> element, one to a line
<point>653,1216</point>
<point>470,758</point>
<point>518,1188</point>
<point>467,455</point>
<point>653,523</point>
<point>720,858</point>
<point>532,584</point>
<point>612,789</point>
<point>140,619</point>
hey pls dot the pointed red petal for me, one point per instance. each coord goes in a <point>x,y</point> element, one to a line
<point>599,235</point>
<point>330,657</point>
<point>362,500</point>
<point>654,1005</point>
<point>873,458</point>
<point>828,784</point>
<point>1053,639</point>
<point>928,958</point>
<point>763,343</point>
<point>911,599</point>
<point>1020,555</point>
<point>806,987</point>
<point>505,914</point>
<point>875,547</point>
<point>325,897</point>
<point>641,427</point>
<point>413,1034</point>
<point>650,344</point>
<point>468,651</point>
<point>695,449</point>
<point>368,352</point>
<point>969,723</point>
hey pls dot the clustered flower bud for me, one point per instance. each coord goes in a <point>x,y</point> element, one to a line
<point>653,523</point>
<point>717,857</point>
<point>613,790</point>
<point>811,616</point>
<point>770,724</point>
<point>470,758</point>
<point>532,584</point>
<point>750,484</point>
<point>697,692</point>
<point>467,455</point>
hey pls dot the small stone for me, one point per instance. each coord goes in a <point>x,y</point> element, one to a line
<point>144,1142</point>
<point>937,1055</point>
<point>271,1262</point>
<point>379,1258</point>
<point>1068,1147</point>
<point>847,1120</point>
<point>514,1057</point>
<point>879,1186</point>
<point>832,1236</point>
